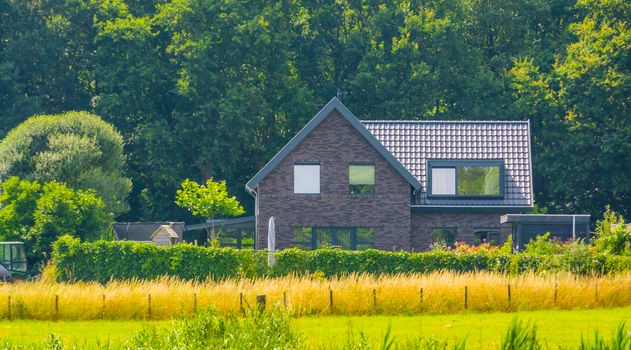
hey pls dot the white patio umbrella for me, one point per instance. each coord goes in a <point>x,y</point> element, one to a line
<point>271,242</point>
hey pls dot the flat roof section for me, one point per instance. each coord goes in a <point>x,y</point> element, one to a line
<point>545,218</point>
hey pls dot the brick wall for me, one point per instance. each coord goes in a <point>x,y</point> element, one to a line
<point>422,224</point>
<point>335,144</point>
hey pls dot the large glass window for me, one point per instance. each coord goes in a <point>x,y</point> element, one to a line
<point>490,236</point>
<point>238,238</point>
<point>303,237</point>
<point>351,238</point>
<point>479,180</point>
<point>344,238</point>
<point>466,178</point>
<point>323,237</point>
<point>365,238</point>
<point>361,179</point>
<point>444,235</point>
<point>307,178</point>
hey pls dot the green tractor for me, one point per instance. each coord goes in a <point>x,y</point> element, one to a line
<point>12,261</point>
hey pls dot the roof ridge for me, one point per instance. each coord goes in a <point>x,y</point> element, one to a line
<point>447,121</point>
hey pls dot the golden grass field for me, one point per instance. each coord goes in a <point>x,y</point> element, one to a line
<point>352,295</point>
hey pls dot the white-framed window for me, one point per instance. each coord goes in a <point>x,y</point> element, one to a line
<point>307,178</point>
<point>443,181</point>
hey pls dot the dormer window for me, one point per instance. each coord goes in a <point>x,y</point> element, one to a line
<point>466,179</point>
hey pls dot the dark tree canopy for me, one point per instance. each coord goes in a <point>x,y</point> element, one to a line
<point>203,89</point>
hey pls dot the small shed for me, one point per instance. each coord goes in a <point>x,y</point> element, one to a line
<point>526,227</point>
<point>165,235</point>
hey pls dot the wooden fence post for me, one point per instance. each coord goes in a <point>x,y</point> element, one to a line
<point>509,294</point>
<point>260,301</point>
<point>331,300</point>
<point>56,307</point>
<point>194,303</point>
<point>466,297</point>
<point>285,299</point>
<point>556,291</point>
<point>596,293</point>
<point>103,306</point>
<point>149,305</point>
<point>374,298</point>
<point>241,302</point>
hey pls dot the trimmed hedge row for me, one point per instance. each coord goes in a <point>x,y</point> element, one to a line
<point>334,262</point>
<point>103,260</point>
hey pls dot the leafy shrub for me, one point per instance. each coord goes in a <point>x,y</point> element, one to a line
<point>262,330</point>
<point>543,245</point>
<point>39,214</point>
<point>520,336</point>
<point>612,236</point>
<point>617,241</point>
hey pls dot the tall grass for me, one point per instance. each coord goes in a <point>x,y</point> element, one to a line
<point>351,295</point>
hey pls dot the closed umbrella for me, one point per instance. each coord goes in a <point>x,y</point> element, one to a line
<point>271,242</point>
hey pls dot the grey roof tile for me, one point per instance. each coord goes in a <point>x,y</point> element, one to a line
<point>413,143</point>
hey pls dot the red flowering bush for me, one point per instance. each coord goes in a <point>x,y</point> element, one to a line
<point>464,248</point>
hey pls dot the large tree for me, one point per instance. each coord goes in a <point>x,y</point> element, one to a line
<point>581,113</point>
<point>76,148</point>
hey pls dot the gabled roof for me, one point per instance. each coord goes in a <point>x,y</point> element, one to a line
<point>334,104</point>
<point>165,228</point>
<point>414,143</point>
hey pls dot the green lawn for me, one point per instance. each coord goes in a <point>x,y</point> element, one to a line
<point>89,333</point>
<point>480,330</point>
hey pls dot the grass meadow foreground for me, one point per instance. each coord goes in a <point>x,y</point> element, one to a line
<point>554,329</point>
<point>435,293</point>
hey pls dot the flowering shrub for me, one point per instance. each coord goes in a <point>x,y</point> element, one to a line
<point>464,248</point>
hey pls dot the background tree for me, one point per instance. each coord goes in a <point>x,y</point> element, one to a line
<point>580,111</point>
<point>210,201</point>
<point>220,86</point>
<point>38,215</point>
<point>76,148</point>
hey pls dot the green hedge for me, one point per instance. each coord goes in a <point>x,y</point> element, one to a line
<point>105,260</point>
<point>102,261</point>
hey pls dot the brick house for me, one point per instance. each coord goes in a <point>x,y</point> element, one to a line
<point>393,185</point>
